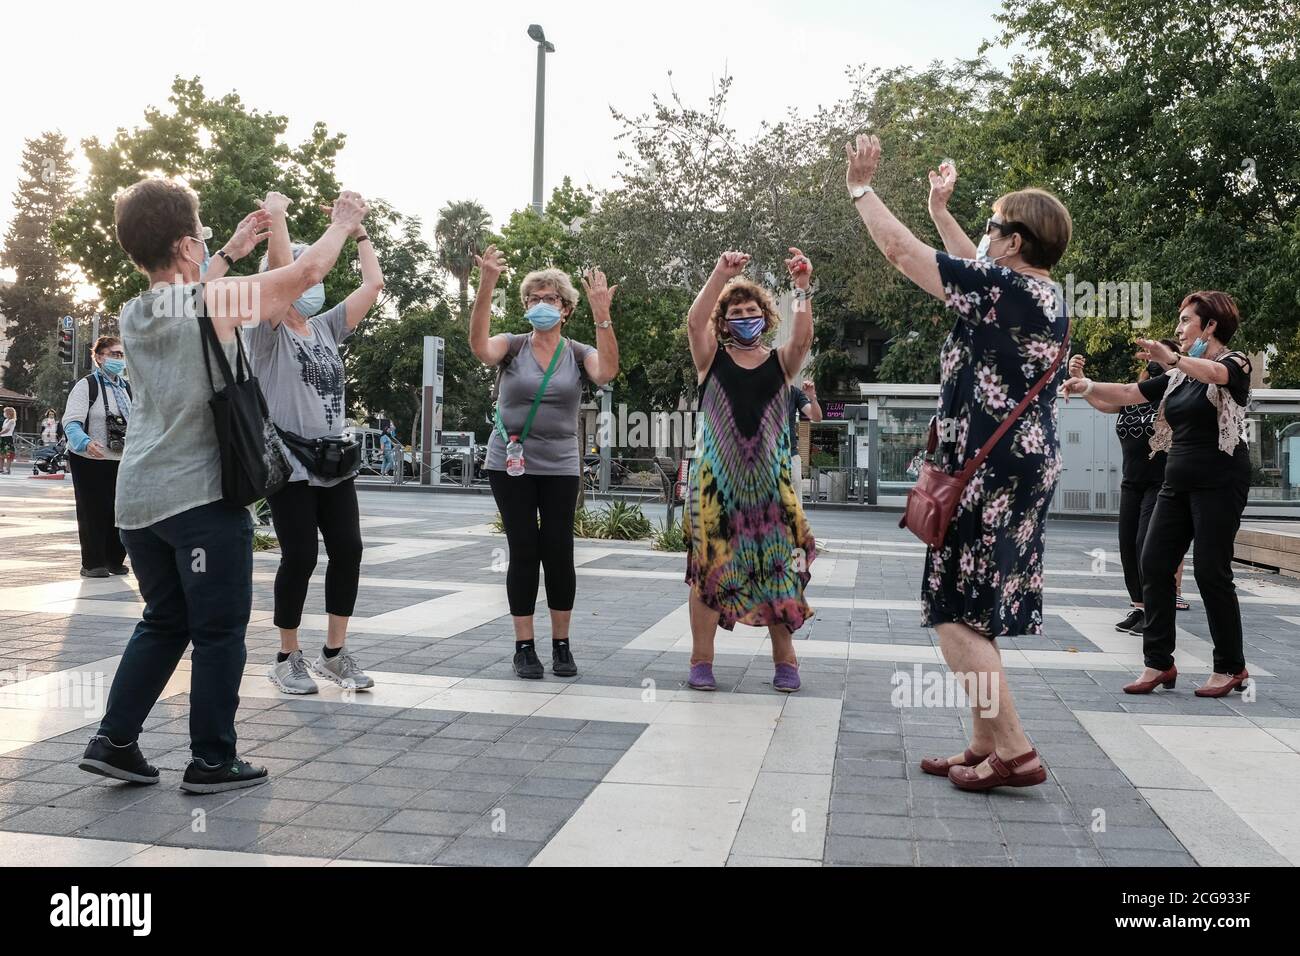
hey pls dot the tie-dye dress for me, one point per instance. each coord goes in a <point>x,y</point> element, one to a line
<point>750,545</point>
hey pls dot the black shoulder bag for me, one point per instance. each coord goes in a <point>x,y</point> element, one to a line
<point>253,463</point>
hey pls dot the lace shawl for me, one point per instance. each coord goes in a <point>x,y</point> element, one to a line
<point>1231,415</point>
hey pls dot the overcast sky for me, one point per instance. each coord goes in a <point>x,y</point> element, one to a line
<point>437,100</point>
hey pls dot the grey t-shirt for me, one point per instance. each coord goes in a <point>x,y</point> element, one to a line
<point>302,379</point>
<point>551,447</point>
<point>171,462</point>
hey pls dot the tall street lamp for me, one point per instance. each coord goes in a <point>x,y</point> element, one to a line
<point>544,47</point>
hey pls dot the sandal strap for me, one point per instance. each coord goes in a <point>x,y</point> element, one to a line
<point>1004,768</point>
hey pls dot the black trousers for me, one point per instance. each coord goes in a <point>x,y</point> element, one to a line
<point>94,483</point>
<point>520,500</point>
<point>1137,502</point>
<point>298,510</point>
<point>1208,519</point>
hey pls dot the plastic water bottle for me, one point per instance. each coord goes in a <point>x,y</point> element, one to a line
<point>514,457</point>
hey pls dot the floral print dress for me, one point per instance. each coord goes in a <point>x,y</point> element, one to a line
<point>1007,331</point>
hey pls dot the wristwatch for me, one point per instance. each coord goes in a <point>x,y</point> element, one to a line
<point>857,192</point>
<point>607,324</point>
<point>225,255</point>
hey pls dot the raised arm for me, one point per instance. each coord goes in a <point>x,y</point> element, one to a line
<point>908,254</point>
<point>488,349</point>
<point>358,305</point>
<point>602,364</point>
<point>813,409</point>
<point>1114,394</point>
<point>234,300</point>
<point>279,250</point>
<point>796,349</point>
<point>955,240</point>
<point>1210,371</point>
<point>254,227</point>
<point>699,325</point>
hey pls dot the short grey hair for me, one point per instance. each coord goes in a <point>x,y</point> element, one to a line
<point>556,279</point>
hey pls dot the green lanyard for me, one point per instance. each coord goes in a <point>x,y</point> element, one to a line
<point>537,399</point>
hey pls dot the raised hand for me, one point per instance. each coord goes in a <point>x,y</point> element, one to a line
<point>942,184</point>
<point>863,156</point>
<point>810,389</point>
<point>1154,350</point>
<point>348,210</point>
<point>490,265</point>
<point>731,264</point>
<point>1075,385</point>
<point>800,268</point>
<point>1076,366</point>
<point>599,293</point>
<point>277,204</point>
<point>254,227</point>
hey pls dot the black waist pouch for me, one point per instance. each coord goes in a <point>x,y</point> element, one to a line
<point>325,458</point>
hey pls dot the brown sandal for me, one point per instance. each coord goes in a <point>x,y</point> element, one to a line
<point>1003,775</point>
<point>939,765</point>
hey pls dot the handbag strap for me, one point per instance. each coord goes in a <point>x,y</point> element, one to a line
<point>208,334</point>
<point>972,466</point>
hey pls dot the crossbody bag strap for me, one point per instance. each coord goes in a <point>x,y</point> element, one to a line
<point>537,399</point>
<point>208,333</point>
<point>973,465</point>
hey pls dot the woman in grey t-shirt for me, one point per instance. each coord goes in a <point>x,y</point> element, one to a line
<point>551,465</point>
<point>295,356</point>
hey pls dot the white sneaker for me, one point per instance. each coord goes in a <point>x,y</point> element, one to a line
<point>291,677</point>
<point>342,669</point>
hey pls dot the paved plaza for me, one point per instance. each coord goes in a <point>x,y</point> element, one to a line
<point>450,760</point>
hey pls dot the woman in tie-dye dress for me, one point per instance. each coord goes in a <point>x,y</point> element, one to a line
<point>750,545</point>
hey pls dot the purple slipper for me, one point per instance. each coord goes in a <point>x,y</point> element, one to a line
<point>702,677</point>
<point>786,678</point>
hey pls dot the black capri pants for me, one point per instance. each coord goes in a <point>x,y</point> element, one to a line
<point>532,546</point>
<point>297,511</point>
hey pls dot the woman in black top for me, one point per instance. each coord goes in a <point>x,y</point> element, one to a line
<point>1203,402</point>
<point>1143,475</point>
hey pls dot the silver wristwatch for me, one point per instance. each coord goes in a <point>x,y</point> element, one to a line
<point>857,192</point>
<point>605,325</point>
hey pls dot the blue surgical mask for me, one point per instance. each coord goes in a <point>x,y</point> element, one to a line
<point>1198,348</point>
<point>543,316</point>
<point>747,331</point>
<point>311,301</point>
<point>114,366</point>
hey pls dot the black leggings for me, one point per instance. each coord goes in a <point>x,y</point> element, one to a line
<point>1137,501</point>
<point>94,483</point>
<point>1209,518</point>
<point>519,500</point>
<point>297,510</point>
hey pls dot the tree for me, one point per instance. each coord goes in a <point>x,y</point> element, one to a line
<point>230,154</point>
<point>460,233</point>
<point>42,289</point>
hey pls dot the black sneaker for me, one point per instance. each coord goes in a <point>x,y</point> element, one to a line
<point>95,573</point>
<point>562,664</point>
<point>527,666</point>
<point>121,763</point>
<point>1134,622</point>
<point>232,775</point>
<point>120,569</point>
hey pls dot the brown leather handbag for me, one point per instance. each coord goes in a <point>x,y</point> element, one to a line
<point>933,500</point>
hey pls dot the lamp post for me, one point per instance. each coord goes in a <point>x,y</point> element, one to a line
<point>544,47</point>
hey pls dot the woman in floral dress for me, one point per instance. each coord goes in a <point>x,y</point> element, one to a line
<point>1009,325</point>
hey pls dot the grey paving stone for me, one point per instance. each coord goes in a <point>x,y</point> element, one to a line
<point>1136,838</point>
<point>397,848</point>
<point>218,834</point>
<point>957,830</point>
<point>869,851</point>
<point>871,825</point>
<point>1019,833</point>
<point>1061,856</point>
<point>135,826</point>
<point>306,841</point>
<point>555,787</point>
<point>265,809</point>
<point>55,820</point>
<point>369,795</point>
<point>32,793</point>
<point>434,822</point>
<point>337,816</point>
<point>1146,858</point>
<point>961,854</point>
<point>340,773</point>
<point>488,851</point>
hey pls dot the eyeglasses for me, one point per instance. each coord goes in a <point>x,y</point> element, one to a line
<point>116,353</point>
<point>1007,228</point>
<point>547,299</point>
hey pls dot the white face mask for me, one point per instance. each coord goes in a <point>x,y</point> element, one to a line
<point>982,250</point>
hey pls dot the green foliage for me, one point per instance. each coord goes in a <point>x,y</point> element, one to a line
<point>461,232</point>
<point>621,521</point>
<point>671,538</point>
<point>42,290</point>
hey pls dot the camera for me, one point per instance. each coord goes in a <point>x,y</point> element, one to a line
<point>116,426</point>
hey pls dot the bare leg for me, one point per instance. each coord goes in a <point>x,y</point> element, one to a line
<point>559,625</point>
<point>969,653</point>
<point>704,627</point>
<point>782,645</point>
<point>288,640</point>
<point>523,628</point>
<point>337,632</point>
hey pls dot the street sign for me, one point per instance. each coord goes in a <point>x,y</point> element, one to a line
<point>66,323</point>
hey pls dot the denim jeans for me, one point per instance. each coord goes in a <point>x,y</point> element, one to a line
<point>196,577</point>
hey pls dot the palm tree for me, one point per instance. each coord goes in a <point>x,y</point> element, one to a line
<point>460,232</point>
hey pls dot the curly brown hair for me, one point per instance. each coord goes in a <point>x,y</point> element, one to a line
<point>737,292</point>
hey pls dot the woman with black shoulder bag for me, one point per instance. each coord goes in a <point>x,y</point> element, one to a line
<point>295,357</point>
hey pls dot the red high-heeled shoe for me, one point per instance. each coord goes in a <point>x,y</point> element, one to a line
<point>1238,683</point>
<point>1165,679</point>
